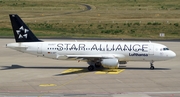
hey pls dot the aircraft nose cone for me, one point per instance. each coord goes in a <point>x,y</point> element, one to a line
<point>172,54</point>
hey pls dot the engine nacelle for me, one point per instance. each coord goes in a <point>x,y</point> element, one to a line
<point>110,63</point>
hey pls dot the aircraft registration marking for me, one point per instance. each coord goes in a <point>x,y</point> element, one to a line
<point>106,71</point>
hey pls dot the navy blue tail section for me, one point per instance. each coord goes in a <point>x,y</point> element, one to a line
<point>21,32</point>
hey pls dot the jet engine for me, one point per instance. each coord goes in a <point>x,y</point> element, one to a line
<point>110,63</point>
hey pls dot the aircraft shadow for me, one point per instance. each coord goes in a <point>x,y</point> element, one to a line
<point>76,71</point>
<point>15,66</point>
<point>141,68</point>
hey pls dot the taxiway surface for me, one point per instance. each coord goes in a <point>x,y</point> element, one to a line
<point>23,74</point>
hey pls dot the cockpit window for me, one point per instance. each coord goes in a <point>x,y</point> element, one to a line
<point>164,49</point>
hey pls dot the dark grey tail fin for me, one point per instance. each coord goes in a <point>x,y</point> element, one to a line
<point>21,32</point>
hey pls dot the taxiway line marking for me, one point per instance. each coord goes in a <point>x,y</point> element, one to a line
<point>71,70</point>
<point>47,85</point>
<point>107,71</point>
<point>68,82</point>
<point>111,71</point>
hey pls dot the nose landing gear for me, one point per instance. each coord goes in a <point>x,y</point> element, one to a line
<point>151,65</point>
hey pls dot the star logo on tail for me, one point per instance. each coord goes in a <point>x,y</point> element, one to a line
<point>22,32</point>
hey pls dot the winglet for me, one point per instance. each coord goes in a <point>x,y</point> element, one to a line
<point>21,32</point>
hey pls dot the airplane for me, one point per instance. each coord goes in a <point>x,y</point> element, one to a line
<point>96,54</point>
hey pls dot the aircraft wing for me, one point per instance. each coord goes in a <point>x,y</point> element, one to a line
<point>89,57</point>
<point>96,56</point>
<point>99,56</point>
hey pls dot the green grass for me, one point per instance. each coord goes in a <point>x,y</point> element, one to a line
<point>107,19</point>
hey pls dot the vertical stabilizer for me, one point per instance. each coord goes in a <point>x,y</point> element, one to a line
<point>21,32</point>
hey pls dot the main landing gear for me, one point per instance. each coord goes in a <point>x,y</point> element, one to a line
<point>93,65</point>
<point>151,65</point>
<point>90,67</point>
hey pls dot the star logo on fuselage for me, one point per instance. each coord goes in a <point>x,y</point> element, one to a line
<point>22,32</point>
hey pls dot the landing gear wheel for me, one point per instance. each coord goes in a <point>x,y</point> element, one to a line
<point>152,67</point>
<point>90,68</point>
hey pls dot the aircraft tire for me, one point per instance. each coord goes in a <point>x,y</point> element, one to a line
<point>90,68</point>
<point>152,67</point>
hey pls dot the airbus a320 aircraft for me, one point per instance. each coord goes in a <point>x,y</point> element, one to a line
<point>96,54</point>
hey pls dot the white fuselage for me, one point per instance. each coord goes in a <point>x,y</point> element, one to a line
<point>123,51</point>
<point>96,54</point>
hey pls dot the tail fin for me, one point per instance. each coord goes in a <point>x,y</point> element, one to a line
<point>21,32</point>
